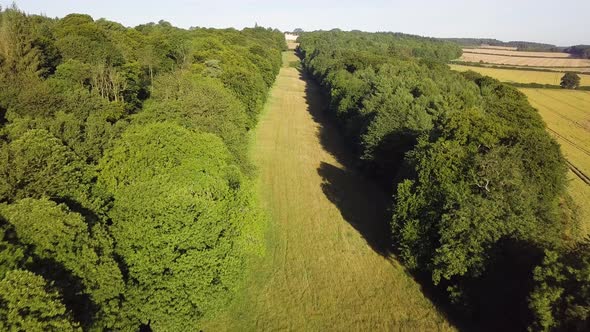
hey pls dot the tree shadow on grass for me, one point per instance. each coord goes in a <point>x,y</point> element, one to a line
<point>360,201</point>
<point>497,300</point>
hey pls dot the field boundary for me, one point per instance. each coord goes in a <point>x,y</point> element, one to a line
<point>520,67</point>
<point>523,67</point>
<point>522,56</point>
<point>585,178</point>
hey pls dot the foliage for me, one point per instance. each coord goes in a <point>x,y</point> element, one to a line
<point>478,183</point>
<point>176,217</point>
<point>561,298</point>
<point>570,81</point>
<point>51,232</point>
<point>200,104</point>
<point>38,164</point>
<point>581,51</point>
<point>77,95</point>
<point>27,303</point>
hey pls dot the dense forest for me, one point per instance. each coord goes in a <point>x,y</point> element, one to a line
<point>126,196</point>
<point>479,210</point>
<point>581,51</point>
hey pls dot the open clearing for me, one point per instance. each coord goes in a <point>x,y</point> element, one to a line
<point>524,61</point>
<point>323,270</point>
<point>518,53</point>
<point>521,76</point>
<point>567,114</point>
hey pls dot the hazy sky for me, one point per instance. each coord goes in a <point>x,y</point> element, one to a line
<point>561,22</point>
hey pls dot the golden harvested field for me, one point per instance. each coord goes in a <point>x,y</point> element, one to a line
<point>292,45</point>
<point>507,48</point>
<point>323,270</point>
<point>524,61</point>
<point>521,76</point>
<point>574,69</point>
<point>567,114</point>
<point>560,69</point>
<point>518,53</point>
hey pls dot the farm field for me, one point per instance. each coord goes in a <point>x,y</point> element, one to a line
<point>524,61</point>
<point>556,69</point>
<point>517,53</point>
<point>320,273</point>
<point>491,47</point>
<point>521,76</point>
<point>567,114</point>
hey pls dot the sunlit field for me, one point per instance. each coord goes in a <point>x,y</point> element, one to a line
<point>521,76</point>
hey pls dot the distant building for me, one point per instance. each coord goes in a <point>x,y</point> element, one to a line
<point>290,36</point>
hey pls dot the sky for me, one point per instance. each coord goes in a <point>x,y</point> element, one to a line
<point>558,22</point>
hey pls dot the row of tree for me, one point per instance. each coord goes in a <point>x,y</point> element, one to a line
<point>519,45</point>
<point>479,201</point>
<point>581,51</point>
<point>125,192</point>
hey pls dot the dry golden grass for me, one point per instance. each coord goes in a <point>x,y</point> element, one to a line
<point>521,76</point>
<point>517,53</point>
<point>507,48</point>
<point>567,114</point>
<point>292,45</point>
<point>321,271</point>
<point>524,61</point>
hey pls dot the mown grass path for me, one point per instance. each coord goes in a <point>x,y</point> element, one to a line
<point>324,269</point>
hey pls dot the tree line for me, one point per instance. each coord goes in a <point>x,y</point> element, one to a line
<point>579,51</point>
<point>479,209</point>
<point>126,197</point>
<point>519,45</point>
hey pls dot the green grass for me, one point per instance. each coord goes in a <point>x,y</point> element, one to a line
<point>521,76</point>
<point>295,64</point>
<point>567,114</point>
<point>320,271</point>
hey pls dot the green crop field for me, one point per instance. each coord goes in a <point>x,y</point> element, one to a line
<point>567,114</point>
<point>521,76</point>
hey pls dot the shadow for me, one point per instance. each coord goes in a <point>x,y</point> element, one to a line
<point>70,287</point>
<point>359,205</point>
<point>362,203</point>
<point>494,301</point>
<point>90,217</point>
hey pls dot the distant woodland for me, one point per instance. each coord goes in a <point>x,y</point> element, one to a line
<point>580,51</point>
<point>479,207</point>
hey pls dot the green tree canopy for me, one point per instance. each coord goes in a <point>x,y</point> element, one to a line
<point>177,214</point>
<point>38,164</point>
<point>570,81</point>
<point>52,232</point>
<point>27,303</point>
